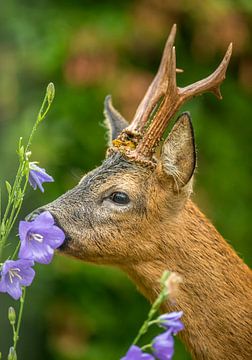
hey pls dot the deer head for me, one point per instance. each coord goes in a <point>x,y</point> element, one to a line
<point>109,217</point>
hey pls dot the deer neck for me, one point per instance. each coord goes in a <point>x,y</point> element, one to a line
<point>216,291</point>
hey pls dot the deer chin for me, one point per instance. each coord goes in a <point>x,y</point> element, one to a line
<point>77,248</point>
<point>69,249</point>
<point>69,246</point>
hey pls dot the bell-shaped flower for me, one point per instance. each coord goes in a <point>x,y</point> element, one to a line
<point>39,238</point>
<point>172,322</point>
<point>163,346</point>
<point>135,353</point>
<point>37,176</point>
<point>14,275</point>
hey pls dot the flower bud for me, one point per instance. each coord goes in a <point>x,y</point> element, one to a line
<point>50,92</point>
<point>12,354</point>
<point>27,155</point>
<point>12,315</point>
<point>172,284</point>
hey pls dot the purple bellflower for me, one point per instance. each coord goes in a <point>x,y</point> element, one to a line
<point>39,238</point>
<point>135,353</point>
<point>163,346</point>
<point>14,274</point>
<point>38,176</point>
<point>172,322</point>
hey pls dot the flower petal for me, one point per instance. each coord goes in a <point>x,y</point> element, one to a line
<point>172,321</point>
<point>44,177</point>
<point>32,180</point>
<point>25,251</point>
<point>147,357</point>
<point>24,227</point>
<point>53,236</point>
<point>23,263</point>
<point>163,346</point>
<point>41,253</point>
<point>27,277</point>
<point>175,315</point>
<point>14,289</point>
<point>44,220</point>
<point>135,353</point>
<point>2,285</point>
<point>37,176</point>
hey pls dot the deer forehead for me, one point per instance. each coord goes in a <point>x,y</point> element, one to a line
<point>115,174</point>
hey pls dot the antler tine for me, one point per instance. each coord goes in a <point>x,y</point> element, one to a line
<point>174,97</point>
<point>158,87</point>
<point>212,82</point>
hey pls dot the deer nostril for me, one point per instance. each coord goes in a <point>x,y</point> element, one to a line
<point>34,214</point>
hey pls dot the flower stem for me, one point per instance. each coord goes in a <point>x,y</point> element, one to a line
<point>15,251</point>
<point>146,347</point>
<point>155,307</point>
<point>16,333</point>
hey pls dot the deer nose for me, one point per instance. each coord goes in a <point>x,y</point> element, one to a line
<point>34,214</point>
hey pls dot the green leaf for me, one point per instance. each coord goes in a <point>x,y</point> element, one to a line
<point>19,198</point>
<point>2,228</point>
<point>20,150</point>
<point>8,187</point>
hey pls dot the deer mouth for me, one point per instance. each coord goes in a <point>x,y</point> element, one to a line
<point>65,244</point>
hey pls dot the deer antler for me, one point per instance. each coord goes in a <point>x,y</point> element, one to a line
<point>163,98</point>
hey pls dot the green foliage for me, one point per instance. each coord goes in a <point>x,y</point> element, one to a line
<point>16,193</point>
<point>89,49</point>
<point>15,197</point>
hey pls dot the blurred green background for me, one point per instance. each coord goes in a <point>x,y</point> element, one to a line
<point>89,49</point>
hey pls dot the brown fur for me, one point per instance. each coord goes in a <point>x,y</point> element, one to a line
<point>214,293</point>
<point>159,229</point>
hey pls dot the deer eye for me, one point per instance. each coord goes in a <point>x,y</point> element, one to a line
<point>119,198</point>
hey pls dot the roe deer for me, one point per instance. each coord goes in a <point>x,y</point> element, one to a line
<point>135,212</point>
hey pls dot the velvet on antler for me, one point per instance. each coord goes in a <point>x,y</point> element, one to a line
<point>162,100</point>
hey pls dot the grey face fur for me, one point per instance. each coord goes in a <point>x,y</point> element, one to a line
<point>87,212</point>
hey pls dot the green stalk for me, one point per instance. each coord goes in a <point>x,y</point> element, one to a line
<point>146,347</point>
<point>15,214</point>
<point>20,314</point>
<point>155,307</point>
<point>10,209</point>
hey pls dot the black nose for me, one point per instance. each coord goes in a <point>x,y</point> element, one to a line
<point>34,214</point>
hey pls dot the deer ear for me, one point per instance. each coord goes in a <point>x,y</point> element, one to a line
<point>114,121</point>
<point>178,157</point>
